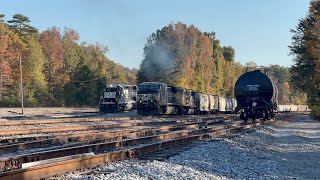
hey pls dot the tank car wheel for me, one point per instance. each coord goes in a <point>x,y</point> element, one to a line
<point>272,115</point>
<point>265,114</point>
<point>244,116</point>
<point>269,115</point>
<point>254,117</point>
<point>186,111</point>
<point>160,110</point>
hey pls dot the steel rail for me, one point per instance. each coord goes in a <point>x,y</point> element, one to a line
<point>49,169</point>
<point>105,136</point>
<point>15,162</point>
<point>97,119</point>
<point>92,127</point>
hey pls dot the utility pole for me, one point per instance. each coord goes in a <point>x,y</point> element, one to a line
<point>21,87</point>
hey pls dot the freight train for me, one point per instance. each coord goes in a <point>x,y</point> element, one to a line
<point>159,98</point>
<point>293,108</point>
<point>256,96</point>
<point>118,97</point>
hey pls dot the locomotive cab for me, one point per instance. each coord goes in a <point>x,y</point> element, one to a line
<point>118,97</point>
<point>130,96</point>
<point>151,98</point>
<point>112,96</point>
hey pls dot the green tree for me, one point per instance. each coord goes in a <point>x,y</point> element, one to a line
<point>20,24</point>
<point>72,52</point>
<point>305,74</point>
<point>1,18</point>
<point>219,76</point>
<point>281,76</point>
<point>82,87</point>
<point>35,82</point>
<point>228,53</point>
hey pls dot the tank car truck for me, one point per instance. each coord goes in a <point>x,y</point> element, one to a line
<point>118,97</point>
<point>256,96</point>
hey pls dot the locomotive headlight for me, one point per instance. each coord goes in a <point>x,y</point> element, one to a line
<point>151,101</point>
<point>140,101</point>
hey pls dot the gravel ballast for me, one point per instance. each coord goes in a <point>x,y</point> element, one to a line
<point>283,150</point>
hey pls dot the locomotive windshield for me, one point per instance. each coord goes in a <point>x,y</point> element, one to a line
<point>111,89</point>
<point>148,88</point>
<point>151,86</point>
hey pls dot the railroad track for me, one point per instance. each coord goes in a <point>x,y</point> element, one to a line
<point>27,134</point>
<point>98,119</point>
<point>101,136</point>
<point>89,150</point>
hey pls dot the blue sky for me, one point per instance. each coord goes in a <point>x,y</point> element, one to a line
<point>258,30</point>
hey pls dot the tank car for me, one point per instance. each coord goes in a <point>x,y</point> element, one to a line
<point>256,96</point>
<point>118,97</point>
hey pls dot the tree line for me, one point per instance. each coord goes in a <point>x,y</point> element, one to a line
<point>189,58</point>
<point>305,48</point>
<point>57,69</point>
<point>183,56</point>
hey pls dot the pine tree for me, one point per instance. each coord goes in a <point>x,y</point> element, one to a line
<point>20,24</point>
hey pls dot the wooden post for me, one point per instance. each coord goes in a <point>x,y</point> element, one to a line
<point>21,87</point>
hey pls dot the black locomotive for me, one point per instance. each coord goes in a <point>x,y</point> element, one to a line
<point>118,97</point>
<point>256,96</point>
<point>159,98</point>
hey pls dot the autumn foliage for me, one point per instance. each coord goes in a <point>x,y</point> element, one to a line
<point>57,69</point>
<point>306,50</point>
<point>183,56</point>
<point>186,57</point>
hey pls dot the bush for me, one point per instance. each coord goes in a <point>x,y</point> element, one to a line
<point>315,112</point>
<point>10,101</point>
<point>32,102</point>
